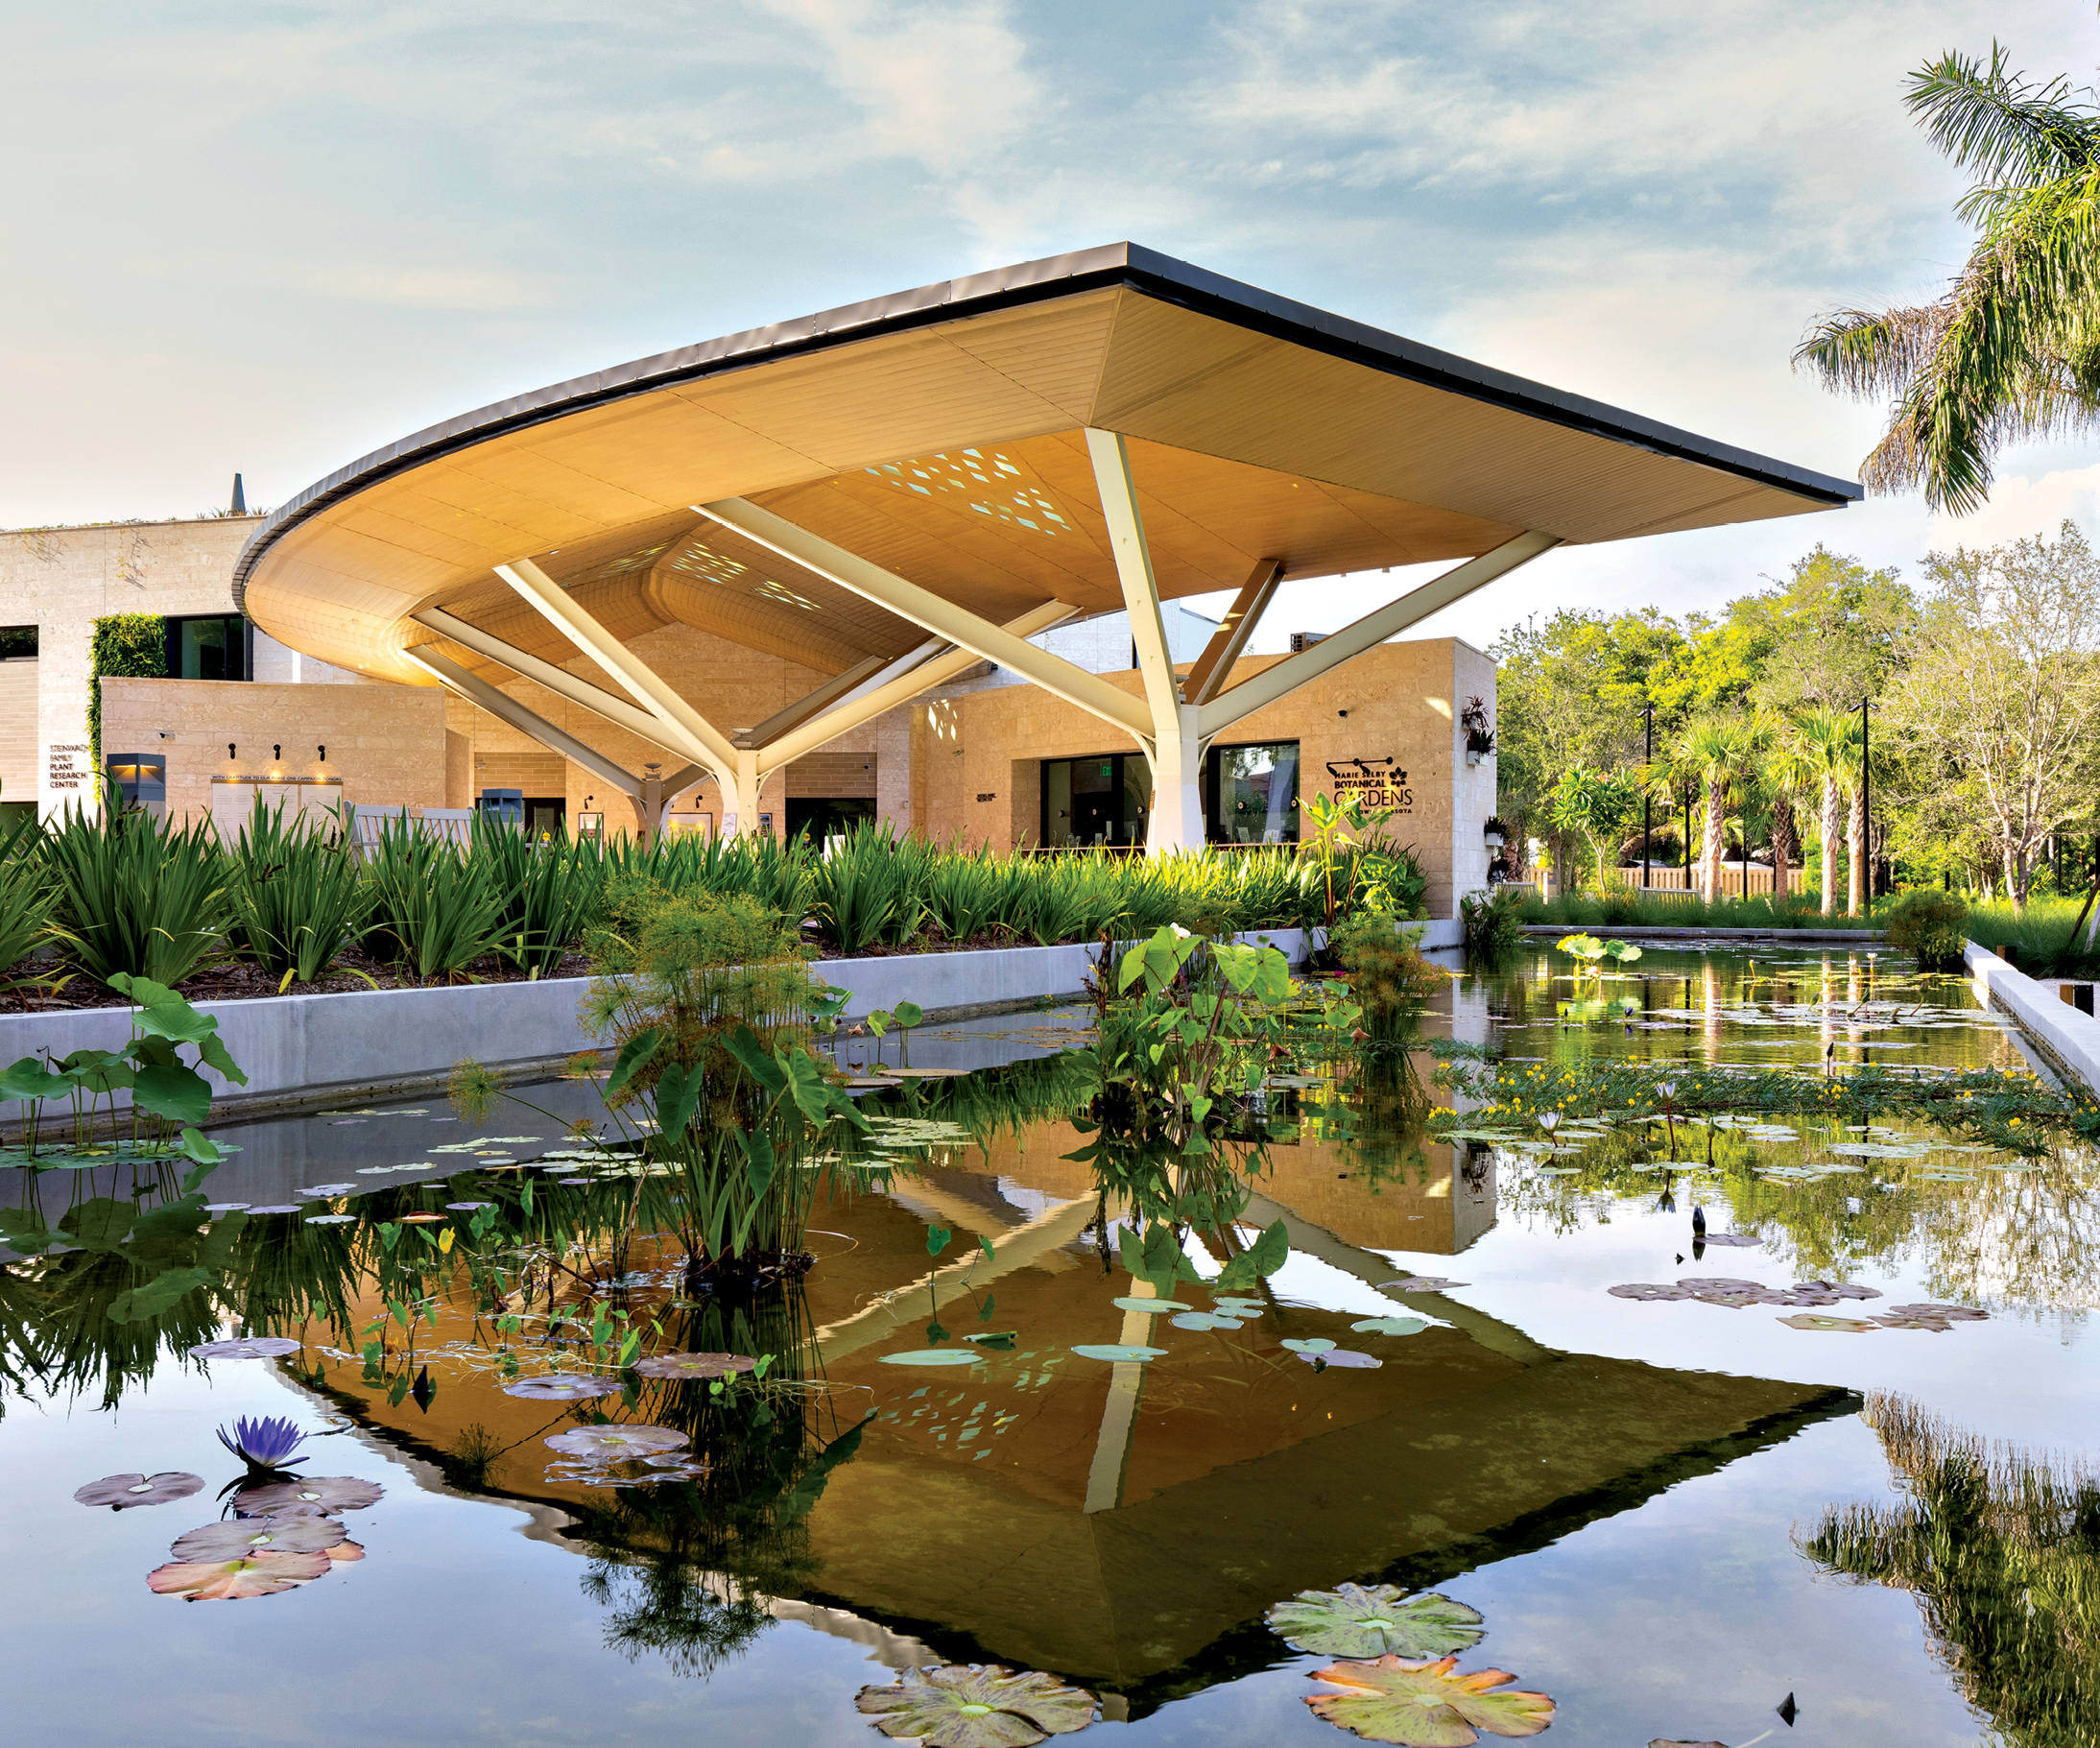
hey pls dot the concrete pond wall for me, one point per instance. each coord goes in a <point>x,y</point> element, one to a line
<point>304,1050</point>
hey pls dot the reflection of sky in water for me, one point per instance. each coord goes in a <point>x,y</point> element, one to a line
<point>1688,1616</point>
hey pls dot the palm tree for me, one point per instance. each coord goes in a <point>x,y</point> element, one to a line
<point>2013,348</point>
<point>1827,743</point>
<point>1714,752</point>
<point>1787,774</point>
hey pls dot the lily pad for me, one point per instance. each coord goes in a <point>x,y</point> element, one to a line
<point>329,1493</point>
<point>1427,1703</point>
<point>1311,1344</point>
<point>933,1357</point>
<point>327,1189</point>
<point>1838,1289</point>
<point>273,1208</point>
<point>231,1580</point>
<point>1740,1240</point>
<point>329,1219</point>
<point>1346,1358</point>
<point>1373,1620</point>
<point>1646,1290</point>
<point>1420,1283</point>
<point>694,1365</point>
<point>1115,1354</point>
<point>615,1444</point>
<point>1239,1305</point>
<point>1149,1305</point>
<point>1939,1325</point>
<point>1206,1320</point>
<point>1953,1313</point>
<point>249,1346</point>
<point>244,1537</point>
<point>1388,1325</point>
<point>121,1491</point>
<point>977,1706</point>
<point>1835,1326</point>
<point>561,1387</point>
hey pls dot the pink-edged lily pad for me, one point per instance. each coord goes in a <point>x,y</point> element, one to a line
<point>1948,1314</point>
<point>231,1580</point>
<point>244,1537</point>
<point>1647,1291</point>
<point>324,1493</point>
<point>247,1347</point>
<point>1375,1620</point>
<point>694,1365</point>
<point>343,1552</point>
<point>1428,1703</point>
<point>1838,1289</point>
<point>121,1491</point>
<point>561,1387</point>
<point>1829,1325</point>
<point>615,1444</point>
<point>977,1706</point>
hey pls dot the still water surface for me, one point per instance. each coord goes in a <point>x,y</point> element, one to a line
<point>1630,1494</point>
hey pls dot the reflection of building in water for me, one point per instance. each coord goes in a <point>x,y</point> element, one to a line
<point>1140,1517</point>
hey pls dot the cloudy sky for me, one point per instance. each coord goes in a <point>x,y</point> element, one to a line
<point>273,234</point>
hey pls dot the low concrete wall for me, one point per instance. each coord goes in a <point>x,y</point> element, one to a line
<point>1817,937</point>
<point>303,1050</point>
<point>2069,1037</point>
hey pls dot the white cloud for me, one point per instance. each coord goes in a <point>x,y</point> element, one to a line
<point>2020,507</point>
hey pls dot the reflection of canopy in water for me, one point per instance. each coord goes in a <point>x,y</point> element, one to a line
<point>1466,1446</point>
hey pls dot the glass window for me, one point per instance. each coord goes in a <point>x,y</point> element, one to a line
<point>1102,800</point>
<point>1251,793</point>
<point>208,648</point>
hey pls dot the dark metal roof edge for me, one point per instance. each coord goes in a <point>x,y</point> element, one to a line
<point>1025,283</point>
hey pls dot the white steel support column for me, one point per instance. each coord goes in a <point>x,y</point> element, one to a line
<point>505,708</point>
<point>934,612</point>
<point>1215,665</point>
<point>1175,751</point>
<point>694,735</point>
<point>864,705</point>
<point>740,793</point>
<point>1372,630</point>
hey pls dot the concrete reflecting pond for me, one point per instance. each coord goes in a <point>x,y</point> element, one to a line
<point>961,1434</point>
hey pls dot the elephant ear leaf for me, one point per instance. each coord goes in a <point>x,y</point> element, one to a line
<point>743,1044</point>
<point>758,1159</point>
<point>1264,1257</point>
<point>1427,1703</point>
<point>677,1093</point>
<point>632,1059</point>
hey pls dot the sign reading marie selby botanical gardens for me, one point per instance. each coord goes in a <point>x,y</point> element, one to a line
<point>1376,784</point>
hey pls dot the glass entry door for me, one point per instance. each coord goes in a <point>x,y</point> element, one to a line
<point>1101,802</point>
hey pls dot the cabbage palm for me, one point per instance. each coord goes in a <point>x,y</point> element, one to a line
<point>2013,348</point>
<point>1716,752</point>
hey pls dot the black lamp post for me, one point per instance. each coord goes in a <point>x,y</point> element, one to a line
<point>1866,804</point>
<point>1647,800</point>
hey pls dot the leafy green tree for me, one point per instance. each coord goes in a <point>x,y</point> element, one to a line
<point>1598,805</point>
<point>2013,348</point>
<point>2002,693</point>
<point>1718,752</point>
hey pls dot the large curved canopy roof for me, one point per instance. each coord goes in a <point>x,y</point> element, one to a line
<point>939,434</point>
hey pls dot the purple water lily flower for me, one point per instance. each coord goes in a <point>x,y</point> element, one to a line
<point>267,1442</point>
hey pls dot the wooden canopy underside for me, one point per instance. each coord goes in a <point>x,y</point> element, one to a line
<point>953,454</point>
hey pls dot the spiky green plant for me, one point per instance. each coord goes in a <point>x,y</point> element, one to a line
<point>297,896</point>
<point>137,895</point>
<point>436,908</point>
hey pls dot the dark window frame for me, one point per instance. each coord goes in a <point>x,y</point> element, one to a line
<point>245,646</point>
<point>1213,772</point>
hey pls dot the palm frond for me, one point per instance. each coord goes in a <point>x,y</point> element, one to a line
<point>1994,124</point>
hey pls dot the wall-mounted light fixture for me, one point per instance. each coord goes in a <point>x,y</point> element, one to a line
<point>323,751</point>
<point>229,749</point>
<point>1340,712</point>
<point>276,751</point>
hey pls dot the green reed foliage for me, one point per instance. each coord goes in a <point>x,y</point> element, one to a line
<point>869,889</point>
<point>435,907</point>
<point>2002,1550</point>
<point>136,897</point>
<point>1387,976</point>
<point>28,904</point>
<point>298,898</point>
<point>1621,909</point>
<point>553,891</point>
